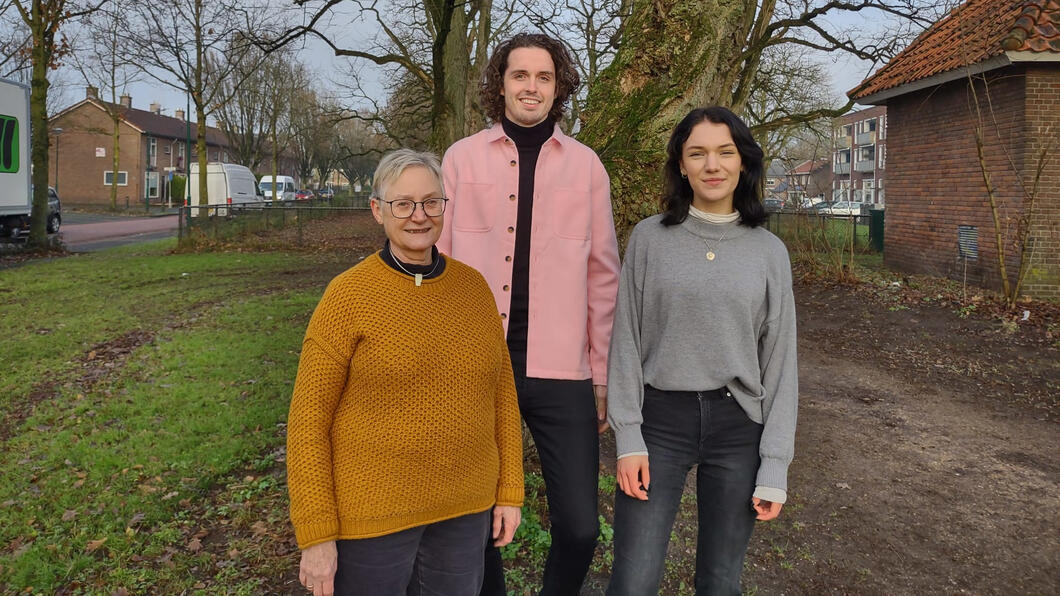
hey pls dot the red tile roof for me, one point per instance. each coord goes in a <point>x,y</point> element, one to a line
<point>972,33</point>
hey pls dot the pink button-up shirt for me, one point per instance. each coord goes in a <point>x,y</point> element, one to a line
<point>573,252</point>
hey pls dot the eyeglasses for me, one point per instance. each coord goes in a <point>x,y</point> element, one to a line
<point>404,208</point>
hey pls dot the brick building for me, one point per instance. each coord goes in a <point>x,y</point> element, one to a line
<point>989,62</point>
<point>152,145</point>
<point>859,155</point>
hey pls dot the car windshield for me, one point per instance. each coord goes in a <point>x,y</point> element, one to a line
<point>266,186</point>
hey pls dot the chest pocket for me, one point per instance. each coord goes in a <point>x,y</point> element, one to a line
<point>473,207</point>
<point>572,213</point>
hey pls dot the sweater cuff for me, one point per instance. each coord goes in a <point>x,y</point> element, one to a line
<point>309,534</point>
<point>628,441</point>
<point>770,494</point>
<point>511,496</point>
<point>773,473</point>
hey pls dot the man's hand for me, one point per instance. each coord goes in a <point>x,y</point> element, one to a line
<point>505,520</point>
<point>600,393</point>
<point>767,510</point>
<point>318,567</point>
<point>633,477</point>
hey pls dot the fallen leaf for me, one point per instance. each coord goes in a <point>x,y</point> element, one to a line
<point>136,518</point>
<point>94,545</point>
<point>169,496</point>
<point>842,485</point>
<point>69,514</point>
<point>195,545</point>
<point>233,553</point>
<point>259,528</point>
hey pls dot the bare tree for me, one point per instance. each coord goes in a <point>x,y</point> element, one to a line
<point>256,95</point>
<point>103,63</point>
<point>47,46</point>
<point>677,54</point>
<point>192,45</point>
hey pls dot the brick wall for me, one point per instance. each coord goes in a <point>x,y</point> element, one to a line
<point>80,172</point>
<point>935,183</point>
<point>1043,150</point>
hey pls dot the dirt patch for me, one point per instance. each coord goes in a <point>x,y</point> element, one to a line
<point>96,364</point>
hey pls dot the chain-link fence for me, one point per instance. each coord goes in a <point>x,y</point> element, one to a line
<point>818,231</point>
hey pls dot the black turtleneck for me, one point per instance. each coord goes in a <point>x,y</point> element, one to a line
<point>428,271</point>
<point>528,140</point>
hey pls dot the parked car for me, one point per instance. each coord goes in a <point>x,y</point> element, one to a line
<point>823,207</point>
<point>326,193</point>
<point>846,208</point>
<point>773,204</point>
<point>17,225</point>
<point>284,188</point>
<point>304,195</point>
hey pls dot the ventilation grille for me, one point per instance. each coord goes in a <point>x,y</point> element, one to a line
<point>968,242</point>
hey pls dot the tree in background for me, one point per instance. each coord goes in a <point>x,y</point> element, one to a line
<point>191,46</point>
<point>257,95</point>
<point>102,60</point>
<point>674,55</point>
<point>46,46</point>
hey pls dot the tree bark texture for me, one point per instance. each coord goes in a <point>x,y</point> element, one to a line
<point>674,55</point>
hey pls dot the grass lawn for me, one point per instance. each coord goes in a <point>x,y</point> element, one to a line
<point>142,402</point>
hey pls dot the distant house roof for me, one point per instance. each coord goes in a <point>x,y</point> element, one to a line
<point>156,125</point>
<point>986,33</point>
<point>776,169</point>
<point>807,166</point>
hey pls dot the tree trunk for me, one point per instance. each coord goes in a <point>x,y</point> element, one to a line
<point>675,55</point>
<point>43,41</point>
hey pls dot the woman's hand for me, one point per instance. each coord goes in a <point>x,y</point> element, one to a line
<point>767,510</point>
<point>317,569</point>
<point>506,519</point>
<point>633,477</point>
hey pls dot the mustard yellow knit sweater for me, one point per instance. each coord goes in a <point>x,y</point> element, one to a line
<point>404,411</point>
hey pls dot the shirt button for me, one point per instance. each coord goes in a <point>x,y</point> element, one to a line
<point>503,316</point>
<point>511,229</point>
<point>505,288</point>
<point>511,197</point>
<point>512,163</point>
<point>507,141</point>
<point>508,259</point>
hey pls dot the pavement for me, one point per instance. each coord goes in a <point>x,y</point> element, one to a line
<point>104,232</point>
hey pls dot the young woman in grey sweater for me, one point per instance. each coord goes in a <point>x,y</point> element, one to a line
<point>702,368</point>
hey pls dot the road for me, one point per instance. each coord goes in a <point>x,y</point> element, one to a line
<point>86,232</point>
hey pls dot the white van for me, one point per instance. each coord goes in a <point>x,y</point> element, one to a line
<point>284,183</point>
<point>226,184</point>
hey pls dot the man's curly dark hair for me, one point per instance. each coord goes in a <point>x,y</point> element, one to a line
<point>567,78</point>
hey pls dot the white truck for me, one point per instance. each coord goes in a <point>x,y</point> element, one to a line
<point>15,200</point>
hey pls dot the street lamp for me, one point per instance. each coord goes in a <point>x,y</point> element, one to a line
<point>57,132</point>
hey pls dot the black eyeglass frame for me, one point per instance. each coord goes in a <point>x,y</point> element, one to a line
<point>415,204</point>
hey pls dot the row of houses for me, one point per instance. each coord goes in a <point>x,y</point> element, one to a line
<point>153,147</point>
<point>850,170</point>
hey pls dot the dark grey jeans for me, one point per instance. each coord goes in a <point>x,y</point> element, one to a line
<point>707,429</point>
<point>439,559</point>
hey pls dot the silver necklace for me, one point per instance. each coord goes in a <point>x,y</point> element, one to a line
<point>418,276</point>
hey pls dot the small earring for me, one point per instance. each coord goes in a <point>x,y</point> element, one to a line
<point>684,175</point>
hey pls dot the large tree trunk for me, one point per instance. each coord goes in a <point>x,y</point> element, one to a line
<point>675,55</point>
<point>449,63</point>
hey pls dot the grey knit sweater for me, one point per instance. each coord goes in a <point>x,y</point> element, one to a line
<point>685,323</point>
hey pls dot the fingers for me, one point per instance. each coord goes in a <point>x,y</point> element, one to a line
<point>601,408</point>
<point>633,476</point>
<point>766,510</point>
<point>498,523</point>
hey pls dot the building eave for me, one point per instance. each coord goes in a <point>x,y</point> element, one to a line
<point>881,97</point>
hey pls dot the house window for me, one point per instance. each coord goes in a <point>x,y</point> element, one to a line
<point>843,156</point>
<point>870,125</point>
<point>883,127</point>
<point>883,155</point>
<point>168,150</point>
<point>152,152</point>
<point>151,180</point>
<point>108,177</point>
<point>848,130</point>
<point>867,153</point>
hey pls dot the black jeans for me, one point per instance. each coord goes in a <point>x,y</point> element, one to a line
<point>561,416</point>
<point>439,559</point>
<point>682,429</point>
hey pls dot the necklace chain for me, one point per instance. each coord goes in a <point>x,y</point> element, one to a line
<point>711,254</point>
<point>418,276</point>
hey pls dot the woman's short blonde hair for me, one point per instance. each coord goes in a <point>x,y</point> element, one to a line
<point>395,162</point>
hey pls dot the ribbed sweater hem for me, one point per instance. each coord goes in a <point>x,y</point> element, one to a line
<point>510,496</point>
<point>773,473</point>
<point>353,529</point>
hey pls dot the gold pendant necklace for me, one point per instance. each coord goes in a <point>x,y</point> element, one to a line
<point>711,255</point>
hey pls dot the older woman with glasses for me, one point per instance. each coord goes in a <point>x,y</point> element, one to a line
<point>404,445</point>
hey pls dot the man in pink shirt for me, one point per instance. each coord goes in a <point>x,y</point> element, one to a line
<point>530,208</point>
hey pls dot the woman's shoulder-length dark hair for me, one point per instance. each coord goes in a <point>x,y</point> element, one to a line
<point>677,193</point>
<point>567,78</point>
